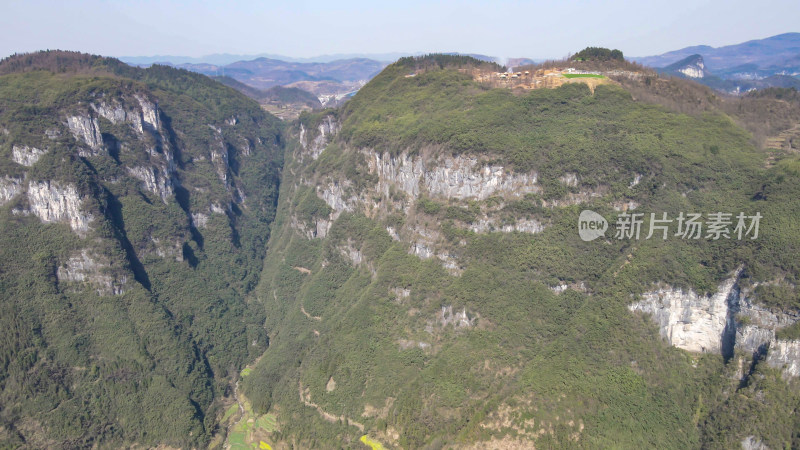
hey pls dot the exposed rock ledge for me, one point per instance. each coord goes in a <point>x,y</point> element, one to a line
<point>85,268</point>
<point>9,187</point>
<point>86,128</point>
<point>52,202</point>
<point>458,177</point>
<point>26,156</point>
<point>155,180</point>
<point>145,117</point>
<point>327,128</point>
<point>714,324</point>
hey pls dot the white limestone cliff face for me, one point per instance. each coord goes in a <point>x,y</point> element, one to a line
<point>220,160</point>
<point>25,155</point>
<point>155,180</point>
<point>753,443</point>
<point>115,113</point>
<point>759,331</point>
<point>785,355</point>
<point>149,113</point>
<point>421,250</point>
<point>722,322</point>
<point>9,188</point>
<point>88,268</point>
<point>689,321</point>
<point>401,172</point>
<point>144,117</point>
<point>86,129</point>
<point>696,70</point>
<point>456,178</point>
<point>692,72</point>
<point>451,177</point>
<point>327,128</point>
<point>52,202</point>
<point>462,177</point>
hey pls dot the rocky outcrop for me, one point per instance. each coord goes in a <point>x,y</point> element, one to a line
<point>155,180</point>
<point>26,156</point>
<point>86,129</point>
<point>199,220</point>
<point>352,253</point>
<point>327,128</point>
<point>421,250</point>
<point>149,113</point>
<point>522,225</point>
<point>317,229</point>
<point>753,443</point>
<point>722,323</point>
<point>785,355</point>
<point>9,188</point>
<point>689,321</point>
<point>52,202</point>
<point>569,179</point>
<point>462,177</point>
<point>334,195</point>
<point>401,172</point>
<point>85,268</point>
<point>458,319</point>
<point>116,114</point>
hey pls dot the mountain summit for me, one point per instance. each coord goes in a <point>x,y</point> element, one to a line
<point>692,66</point>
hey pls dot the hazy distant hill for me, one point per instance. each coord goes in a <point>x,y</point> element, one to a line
<point>694,67</point>
<point>758,64</point>
<point>330,79</point>
<point>228,58</point>
<point>778,51</point>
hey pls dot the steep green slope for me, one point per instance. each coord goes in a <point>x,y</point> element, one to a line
<point>135,211</point>
<point>425,283</point>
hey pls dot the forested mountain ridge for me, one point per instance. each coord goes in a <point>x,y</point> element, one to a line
<point>427,287</point>
<point>135,205</point>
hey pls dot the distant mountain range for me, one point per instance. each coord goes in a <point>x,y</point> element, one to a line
<point>323,79</point>
<point>756,64</point>
<point>263,73</point>
<point>330,80</point>
<point>228,58</point>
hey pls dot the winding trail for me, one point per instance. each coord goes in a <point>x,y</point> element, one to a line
<point>305,397</point>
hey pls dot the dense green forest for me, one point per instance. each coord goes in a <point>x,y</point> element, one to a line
<point>80,366</point>
<point>331,283</point>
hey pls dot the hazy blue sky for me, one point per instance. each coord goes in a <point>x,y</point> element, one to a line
<point>303,28</point>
